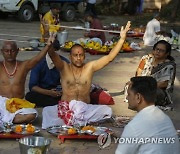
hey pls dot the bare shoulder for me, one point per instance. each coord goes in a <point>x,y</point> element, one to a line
<point>67,66</point>
<point>89,64</point>
<point>21,62</point>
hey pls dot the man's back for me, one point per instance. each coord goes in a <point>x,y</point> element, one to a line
<point>152,27</point>
<point>152,124</point>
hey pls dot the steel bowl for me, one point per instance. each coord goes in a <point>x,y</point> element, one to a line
<point>34,144</point>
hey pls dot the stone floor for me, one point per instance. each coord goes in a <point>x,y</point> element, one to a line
<point>112,77</point>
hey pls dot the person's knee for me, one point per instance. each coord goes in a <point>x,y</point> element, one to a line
<point>108,110</point>
<point>24,118</point>
<point>31,117</point>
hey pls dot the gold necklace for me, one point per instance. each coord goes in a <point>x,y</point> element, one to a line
<point>10,75</point>
<point>76,79</point>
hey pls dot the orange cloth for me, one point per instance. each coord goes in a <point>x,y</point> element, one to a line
<point>140,67</point>
<point>141,64</point>
<point>14,104</point>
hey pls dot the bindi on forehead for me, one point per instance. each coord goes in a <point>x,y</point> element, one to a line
<point>78,51</point>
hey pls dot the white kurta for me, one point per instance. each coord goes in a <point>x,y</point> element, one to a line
<point>150,37</point>
<point>83,113</point>
<point>150,123</point>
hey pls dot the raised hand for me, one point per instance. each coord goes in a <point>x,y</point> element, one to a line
<point>51,39</point>
<point>125,30</point>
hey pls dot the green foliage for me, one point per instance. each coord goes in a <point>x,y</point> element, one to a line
<point>113,9</point>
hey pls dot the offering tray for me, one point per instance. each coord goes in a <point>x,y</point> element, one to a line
<point>11,134</point>
<point>76,136</point>
<point>56,130</point>
<point>135,34</point>
<point>96,52</point>
<point>62,132</point>
<point>24,131</point>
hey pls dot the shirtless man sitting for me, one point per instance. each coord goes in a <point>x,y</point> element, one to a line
<point>76,79</point>
<point>12,81</point>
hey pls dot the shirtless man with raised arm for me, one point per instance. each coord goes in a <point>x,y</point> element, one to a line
<point>12,80</point>
<point>76,77</point>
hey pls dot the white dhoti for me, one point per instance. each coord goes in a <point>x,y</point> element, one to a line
<point>6,116</point>
<point>50,117</point>
<point>85,113</point>
<point>82,114</point>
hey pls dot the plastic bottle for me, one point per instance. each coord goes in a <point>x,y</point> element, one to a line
<point>87,25</point>
<point>175,42</point>
<point>179,42</point>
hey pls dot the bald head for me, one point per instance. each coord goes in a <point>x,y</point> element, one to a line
<point>9,43</point>
<point>9,50</point>
<point>76,46</point>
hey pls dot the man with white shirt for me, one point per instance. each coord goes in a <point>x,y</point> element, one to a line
<point>151,131</point>
<point>152,31</point>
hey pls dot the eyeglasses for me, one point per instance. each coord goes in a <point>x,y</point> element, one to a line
<point>159,50</point>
